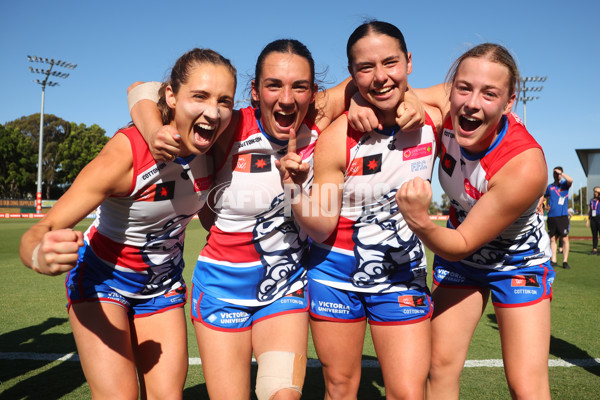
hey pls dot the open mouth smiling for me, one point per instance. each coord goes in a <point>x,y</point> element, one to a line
<point>469,124</point>
<point>203,133</point>
<point>382,91</point>
<point>284,119</point>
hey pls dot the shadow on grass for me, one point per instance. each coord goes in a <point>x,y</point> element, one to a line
<point>52,382</point>
<point>581,247</point>
<point>30,339</point>
<point>565,350</point>
<point>561,348</point>
<point>314,385</point>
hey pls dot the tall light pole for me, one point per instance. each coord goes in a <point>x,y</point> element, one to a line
<point>580,200</point>
<point>46,73</point>
<point>525,89</point>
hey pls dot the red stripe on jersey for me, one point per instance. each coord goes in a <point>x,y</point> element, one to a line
<point>116,253</point>
<point>515,141</point>
<point>203,183</point>
<point>341,237</point>
<point>236,247</point>
<point>142,158</point>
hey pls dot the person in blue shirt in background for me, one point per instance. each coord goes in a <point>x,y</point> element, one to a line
<point>593,220</point>
<point>557,197</point>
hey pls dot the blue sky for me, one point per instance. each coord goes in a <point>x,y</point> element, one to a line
<point>115,43</point>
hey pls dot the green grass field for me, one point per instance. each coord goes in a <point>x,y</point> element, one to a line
<point>33,320</point>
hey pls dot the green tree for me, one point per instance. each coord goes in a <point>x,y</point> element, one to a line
<point>79,148</point>
<point>55,131</point>
<point>68,147</point>
<point>445,207</point>
<point>434,208</point>
<point>17,164</point>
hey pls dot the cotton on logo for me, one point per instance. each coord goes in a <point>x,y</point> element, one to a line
<point>471,190</point>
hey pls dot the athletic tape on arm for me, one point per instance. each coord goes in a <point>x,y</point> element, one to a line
<point>145,91</point>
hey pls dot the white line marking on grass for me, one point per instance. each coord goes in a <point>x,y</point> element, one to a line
<point>39,356</point>
<point>312,363</point>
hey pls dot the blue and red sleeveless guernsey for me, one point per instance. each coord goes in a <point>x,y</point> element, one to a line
<point>255,250</point>
<point>138,239</point>
<point>372,249</point>
<point>464,177</point>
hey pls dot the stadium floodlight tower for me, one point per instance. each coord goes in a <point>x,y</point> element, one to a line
<point>46,73</point>
<point>525,89</point>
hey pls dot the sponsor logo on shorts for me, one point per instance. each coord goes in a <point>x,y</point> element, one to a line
<point>298,293</point>
<point>294,298</point>
<point>525,280</point>
<point>412,301</point>
<point>228,318</point>
<point>175,292</point>
<point>333,308</point>
<point>449,276</point>
<point>113,296</point>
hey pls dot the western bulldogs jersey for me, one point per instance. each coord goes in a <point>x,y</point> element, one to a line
<point>372,249</point>
<point>138,239</point>
<point>465,178</point>
<point>255,251</point>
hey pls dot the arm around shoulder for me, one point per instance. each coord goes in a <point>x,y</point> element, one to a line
<point>318,213</point>
<point>437,96</point>
<point>110,173</point>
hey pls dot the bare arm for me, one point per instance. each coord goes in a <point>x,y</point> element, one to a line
<point>493,213</point>
<point>163,140</point>
<point>318,213</point>
<point>110,173</point>
<point>437,96</point>
<point>567,178</point>
<point>332,102</point>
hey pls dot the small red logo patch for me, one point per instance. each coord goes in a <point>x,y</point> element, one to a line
<point>471,190</point>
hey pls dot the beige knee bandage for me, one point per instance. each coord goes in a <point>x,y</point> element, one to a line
<point>145,91</point>
<point>279,370</point>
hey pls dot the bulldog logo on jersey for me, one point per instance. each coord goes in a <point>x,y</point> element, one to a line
<point>280,244</point>
<point>380,249</point>
<point>163,253</point>
<point>365,165</point>
<point>252,163</point>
